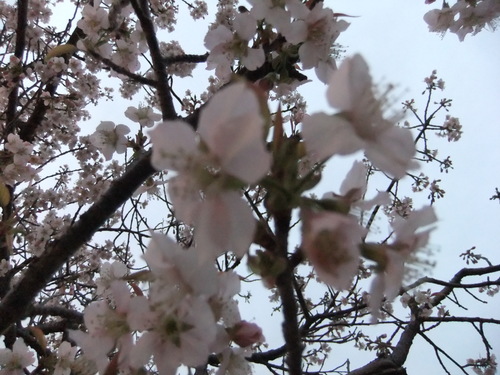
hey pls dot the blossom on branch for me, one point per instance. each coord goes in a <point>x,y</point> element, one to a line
<point>226,153</point>
<point>110,138</point>
<point>353,189</point>
<point>464,17</point>
<point>245,334</point>
<point>360,125</point>
<point>410,234</point>
<point>315,31</point>
<point>145,116</point>
<point>331,242</point>
<point>108,327</point>
<point>226,45</point>
<point>13,362</point>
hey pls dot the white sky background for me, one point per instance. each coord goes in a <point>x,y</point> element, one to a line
<point>395,41</point>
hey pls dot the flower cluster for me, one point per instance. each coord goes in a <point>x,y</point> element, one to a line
<point>451,129</point>
<point>464,17</point>
<point>189,313</point>
<point>14,361</point>
<point>311,34</point>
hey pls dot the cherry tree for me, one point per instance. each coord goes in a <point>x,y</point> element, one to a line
<point>132,246</point>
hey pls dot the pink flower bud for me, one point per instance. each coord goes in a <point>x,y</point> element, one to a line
<point>245,334</point>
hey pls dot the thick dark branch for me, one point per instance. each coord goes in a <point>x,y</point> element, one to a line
<point>60,311</point>
<point>284,283</point>
<point>185,59</point>
<point>402,348</point>
<point>141,9</point>
<point>461,319</point>
<point>431,280</point>
<point>269,355</point>
<point>456,280</point>
<point>22,20</point>
<point>379,366</point>
<point>39,272</point>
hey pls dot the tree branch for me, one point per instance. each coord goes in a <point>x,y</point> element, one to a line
<point>141,9</point>
<point>401,350</point>
<point>39,272</point>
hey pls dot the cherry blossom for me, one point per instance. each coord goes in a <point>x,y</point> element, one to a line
<point>126,55</point>
<point>410,234</point>
<point>13,362</point>
<point>20,149</point>
<point>173,265</point>
<point>353,189</point>
<point>274,12</point>
<point>108,327</point>
<point>331,243</point>
<point>226,45</point>
<point>439,20</point>
<point>108,274</point>
<point>110,138</point>
<point>245,334</point>
<point>145,116</point>
<point>234,362</point>
<point>94,19</point>
<point>316,31</point>
<point>359,125</point>
<point>186,330</point>
<point>186,298</point>
<point>228,148</point>
<point>65,358</point>
<point>463,17</point>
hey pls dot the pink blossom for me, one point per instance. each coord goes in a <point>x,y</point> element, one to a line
<point>353,189</point>
<point>227,152</point>
<point>20,149</point>
<point>359,125</point>
<point>182,333</point>
<point>145,116</point>
<point>245,334</point>
<point>331,243</point>
<point>108,327</point>
<point>110,138</point>
<point>94,19</point>
<point>226,45</point>
<point>316,31</point>
<point>411,234</point>
<point>13,362</point>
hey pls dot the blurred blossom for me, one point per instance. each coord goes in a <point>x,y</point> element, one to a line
<point>13,362</point>
<point>226,153</point>
<point>360,125</point>
<point>331,243</point>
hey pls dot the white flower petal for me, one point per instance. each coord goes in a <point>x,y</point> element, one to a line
<point>174,143</point>
<point>325,136</point>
